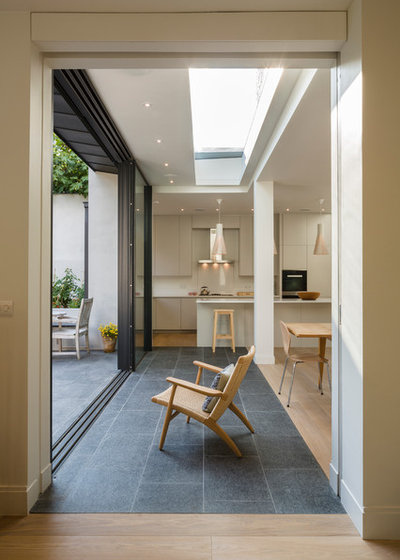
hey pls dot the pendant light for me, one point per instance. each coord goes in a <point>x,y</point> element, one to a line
<point>219,248</point>
<point>320,246</point>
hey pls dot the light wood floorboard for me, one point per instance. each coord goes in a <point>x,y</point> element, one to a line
<point>186,537</point>
<point>309,410</point>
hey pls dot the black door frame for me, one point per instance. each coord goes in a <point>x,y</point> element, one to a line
<point>83,123</point>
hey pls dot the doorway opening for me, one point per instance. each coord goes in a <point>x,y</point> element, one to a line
<point>179,358</point>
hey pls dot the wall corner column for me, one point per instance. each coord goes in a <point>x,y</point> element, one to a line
<point>264,272</point>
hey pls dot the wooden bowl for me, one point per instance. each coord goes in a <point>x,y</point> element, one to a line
<point>309,295</point>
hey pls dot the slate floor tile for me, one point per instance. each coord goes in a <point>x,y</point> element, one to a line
<point>284,452</point>
<point>302,491</point>
<point>258,402</point>
<point>181,433</point>
<point>176,463</point>
<point>273,423</point>
<point>104,489</point>
<point>169,498</point>
<point>230,478</point>
<point>214,445</point>
<point>121,449</point>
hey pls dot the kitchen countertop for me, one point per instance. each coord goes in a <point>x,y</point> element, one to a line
<point>217,299</point>
<point>298,300</point>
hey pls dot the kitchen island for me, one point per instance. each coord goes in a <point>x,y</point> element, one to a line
<point>287,310</point>
<point>243,320</point>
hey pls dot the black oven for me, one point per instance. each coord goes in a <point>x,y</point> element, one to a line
<point>293,281</point>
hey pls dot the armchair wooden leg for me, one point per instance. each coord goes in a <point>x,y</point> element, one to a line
<point>223,435</point>
<point>242,417</point>
<point>167,418</point>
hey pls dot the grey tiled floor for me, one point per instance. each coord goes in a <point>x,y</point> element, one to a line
<point>118,467</point>
<point>76,383</point>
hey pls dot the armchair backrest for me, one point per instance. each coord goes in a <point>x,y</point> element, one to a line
<point>84,314</point>
<point>231,388</point>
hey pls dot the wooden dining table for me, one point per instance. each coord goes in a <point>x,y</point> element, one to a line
<point>322,331</point>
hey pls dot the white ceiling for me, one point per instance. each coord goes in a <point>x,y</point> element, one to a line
<point>124,93</point>
<point>299,164</point>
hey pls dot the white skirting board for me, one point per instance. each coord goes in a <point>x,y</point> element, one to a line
<point>17,500</point>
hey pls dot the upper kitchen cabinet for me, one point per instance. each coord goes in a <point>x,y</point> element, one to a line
<point>172,247</point>
<point>246,243</point>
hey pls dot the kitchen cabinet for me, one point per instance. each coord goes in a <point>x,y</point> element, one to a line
<point>246,246</point>
<point>188,314</point>
<point>174,314</point>
<point>167,313</point>
<point>172,247</point>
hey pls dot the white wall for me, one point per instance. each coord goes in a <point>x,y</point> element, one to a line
<point>68,234</point>
<point>351,272</point>
<point>103,233</point>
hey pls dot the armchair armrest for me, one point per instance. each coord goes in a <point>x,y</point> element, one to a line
<point>215,369</point>
<point>193,387</point>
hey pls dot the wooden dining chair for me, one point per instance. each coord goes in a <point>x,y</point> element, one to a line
<point>188,398</point>
<point>298,359</point>
<point>81,328</point>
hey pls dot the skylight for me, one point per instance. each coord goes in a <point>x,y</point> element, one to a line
<point>228,109</point>
<point>223,106</point>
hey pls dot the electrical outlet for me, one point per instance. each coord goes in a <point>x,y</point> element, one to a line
<point>6,307</point>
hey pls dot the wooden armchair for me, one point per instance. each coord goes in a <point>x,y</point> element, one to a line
<point>188,398</point>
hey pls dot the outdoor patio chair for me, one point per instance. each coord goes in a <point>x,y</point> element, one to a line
<point>81,328</point>
<point>188,398</point>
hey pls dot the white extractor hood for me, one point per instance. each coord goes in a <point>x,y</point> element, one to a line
<point>210,260</point>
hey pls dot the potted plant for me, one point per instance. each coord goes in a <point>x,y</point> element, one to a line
<point>67,292</point>
<point>109,335</point>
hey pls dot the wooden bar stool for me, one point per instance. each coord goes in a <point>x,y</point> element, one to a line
<point>231,336</point>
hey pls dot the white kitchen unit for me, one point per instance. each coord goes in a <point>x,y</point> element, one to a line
<point>246,246</point>
<point>172,247</point>
<point>174,313</point>
<point>243,320</point>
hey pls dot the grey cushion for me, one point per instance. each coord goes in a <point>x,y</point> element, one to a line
<point>219,382</point>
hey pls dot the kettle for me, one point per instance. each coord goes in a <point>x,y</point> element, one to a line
<point>204,291</point>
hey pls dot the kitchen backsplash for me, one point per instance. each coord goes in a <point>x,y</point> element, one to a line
<point>221,279</point>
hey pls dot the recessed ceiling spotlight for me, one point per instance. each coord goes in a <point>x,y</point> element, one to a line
<point>322,209</point>
<point>171,181</point>
<point>287,209</point>
<point>182,209</point>
<point>166,164</point>
<point>137,209</point>
<point>158,140</point>
<point>147,105</point>
<point>252,209</point>
<point>217,209</point>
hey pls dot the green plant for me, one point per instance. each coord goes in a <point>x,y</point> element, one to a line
<point>70,173</point>
<point>67,291</point>
<point>109,331</point>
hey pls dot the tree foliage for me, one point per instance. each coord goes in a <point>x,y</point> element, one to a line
<point>70,173</point>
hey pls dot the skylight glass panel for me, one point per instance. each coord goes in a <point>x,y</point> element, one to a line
<point>224,102</point>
